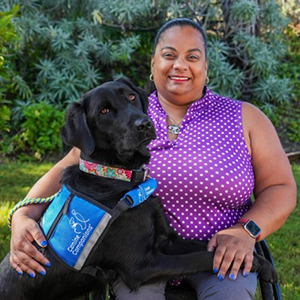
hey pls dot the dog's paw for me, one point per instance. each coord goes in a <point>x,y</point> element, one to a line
<point>268,273</point>
<point>264,269</point>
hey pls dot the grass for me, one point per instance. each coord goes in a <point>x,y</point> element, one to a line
<point>17,178</point>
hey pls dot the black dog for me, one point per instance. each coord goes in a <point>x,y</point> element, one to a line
<point>111,127</point>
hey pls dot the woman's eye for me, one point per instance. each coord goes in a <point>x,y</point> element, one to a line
<point>131,97</point>
<point>104,111</point>
<point>168,55</point>
<point>193,57</point>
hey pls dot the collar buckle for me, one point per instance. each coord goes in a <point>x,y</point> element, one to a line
<point>140,175</point>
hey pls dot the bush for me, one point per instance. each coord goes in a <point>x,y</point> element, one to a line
<point>68,47</point>
<point>40,130</point>
<point>7,38</point>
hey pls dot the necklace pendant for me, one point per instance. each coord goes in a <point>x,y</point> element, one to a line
<point>173,129</point>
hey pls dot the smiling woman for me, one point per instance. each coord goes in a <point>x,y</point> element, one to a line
<point>179,66</point>
<point>217,154</point>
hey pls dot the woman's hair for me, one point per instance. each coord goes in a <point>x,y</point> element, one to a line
<point>181,22</point>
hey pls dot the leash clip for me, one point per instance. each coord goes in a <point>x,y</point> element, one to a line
<point>147,173</point>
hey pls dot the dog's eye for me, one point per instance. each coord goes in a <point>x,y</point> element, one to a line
<point>104,111</point>
<point>131,97</point>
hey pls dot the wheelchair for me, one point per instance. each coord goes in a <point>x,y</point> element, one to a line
<point>268,291</point>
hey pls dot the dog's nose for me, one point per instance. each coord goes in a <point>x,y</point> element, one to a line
<point>143,124</point>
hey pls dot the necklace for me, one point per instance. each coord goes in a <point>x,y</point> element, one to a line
<point>174,128</point>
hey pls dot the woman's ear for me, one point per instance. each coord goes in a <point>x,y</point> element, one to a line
<point>152,63</point>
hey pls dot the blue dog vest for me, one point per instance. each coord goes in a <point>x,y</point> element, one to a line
<point>73,223</point>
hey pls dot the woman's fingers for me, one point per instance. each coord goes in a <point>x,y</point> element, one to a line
<point>240,257</point>
<point>232,250</point>
<point>248,264</point>
<point>24,256</point>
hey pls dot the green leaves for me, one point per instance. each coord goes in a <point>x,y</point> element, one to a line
<point>60,40</point>
<point>272,89</point>
<point>54,51</point>
<point>245,11</point>
<point>123,11</point>
<point>46,67</point>
<point>21,87</point>
<point>40,130</point>
<point>4,118</point>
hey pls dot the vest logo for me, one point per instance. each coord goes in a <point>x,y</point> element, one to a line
<point>82,232</point>
<point>78,223</point>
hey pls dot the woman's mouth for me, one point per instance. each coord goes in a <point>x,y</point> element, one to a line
<point>179,78</point>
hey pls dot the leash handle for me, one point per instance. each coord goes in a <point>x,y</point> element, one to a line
<point>28,201</point>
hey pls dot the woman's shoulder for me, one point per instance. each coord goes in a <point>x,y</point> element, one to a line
<point>252,116</point>
<point>259,132</point>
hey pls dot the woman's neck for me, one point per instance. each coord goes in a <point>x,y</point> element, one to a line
<point>175,114</point>
<point>174,111</point>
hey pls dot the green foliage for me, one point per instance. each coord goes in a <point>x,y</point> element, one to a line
<point>288,117</point>
<point>72,46</point>
<point>66,48</point>
<point>4,117</point>
<point>245,11</point>
<point>123,11</point>
<point>272,89</point>
<point>224,78</point>
<point>7,38</point>
<point>294,128</point>
<point>40,130</point>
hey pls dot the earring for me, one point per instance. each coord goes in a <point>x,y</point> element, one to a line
<point>151,77</point>
<point>206,80</point>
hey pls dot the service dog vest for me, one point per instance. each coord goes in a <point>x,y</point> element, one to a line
<point>74,223</point>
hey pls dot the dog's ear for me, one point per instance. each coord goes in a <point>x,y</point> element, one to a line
<point>143,95</point>
<point>76,131</point>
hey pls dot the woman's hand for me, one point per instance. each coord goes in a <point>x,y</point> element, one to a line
<point>232,247</point>
<point>24,257</point>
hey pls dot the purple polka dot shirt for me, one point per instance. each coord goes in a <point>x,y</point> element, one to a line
<point>204,177</point>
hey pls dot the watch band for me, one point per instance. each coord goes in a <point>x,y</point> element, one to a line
<point>251,227</point>
<point>242,221</point>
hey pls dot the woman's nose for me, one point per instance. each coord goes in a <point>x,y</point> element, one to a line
<point>180,63</point>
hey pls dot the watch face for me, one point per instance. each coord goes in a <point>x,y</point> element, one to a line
<point>252,228</point>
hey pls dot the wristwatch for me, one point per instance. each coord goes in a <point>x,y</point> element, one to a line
<point>250,226</point>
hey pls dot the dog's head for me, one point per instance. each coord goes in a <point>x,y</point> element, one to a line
<point>110,118</point>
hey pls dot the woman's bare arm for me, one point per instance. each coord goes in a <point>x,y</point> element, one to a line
<point>275,188</point>
<point>275,194</point>
<point>24,257</point>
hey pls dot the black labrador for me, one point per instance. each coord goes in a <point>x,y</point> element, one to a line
<point>111,127</point>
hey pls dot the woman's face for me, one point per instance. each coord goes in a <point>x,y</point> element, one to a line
<point>179,65</point>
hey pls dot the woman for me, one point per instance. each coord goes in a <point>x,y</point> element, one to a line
<point>210,154</point>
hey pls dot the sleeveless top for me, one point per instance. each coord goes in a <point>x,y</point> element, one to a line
<point>205,176</point>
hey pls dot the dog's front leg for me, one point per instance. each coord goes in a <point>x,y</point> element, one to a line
<point>164,267</point>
